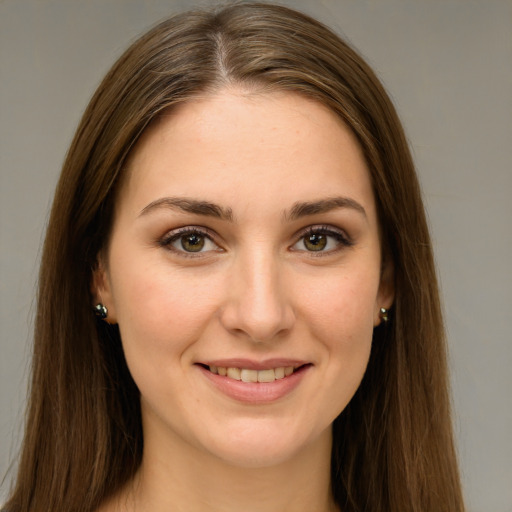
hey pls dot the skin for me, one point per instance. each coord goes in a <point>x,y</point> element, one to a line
<point>254,291</point>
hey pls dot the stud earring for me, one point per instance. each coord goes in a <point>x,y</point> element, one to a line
<point>384,314</point>
<point>101,311</point>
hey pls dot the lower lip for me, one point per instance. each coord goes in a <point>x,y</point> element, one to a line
<point>256,392</point>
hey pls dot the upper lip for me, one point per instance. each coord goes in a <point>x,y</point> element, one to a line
<point>252,364</point>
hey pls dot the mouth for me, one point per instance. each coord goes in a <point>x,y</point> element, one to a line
<point>255,382</point>
<point>251,375</point>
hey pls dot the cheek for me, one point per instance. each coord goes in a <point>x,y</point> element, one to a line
<point>161,311</point>
<point>341,306</point>
<point>339,315</point>
<point>161,315</point>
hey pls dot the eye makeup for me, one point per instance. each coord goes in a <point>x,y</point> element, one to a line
<point>197,241</point>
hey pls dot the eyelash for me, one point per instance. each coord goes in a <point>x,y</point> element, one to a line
<point>167,241</point>
<point>342,240</point>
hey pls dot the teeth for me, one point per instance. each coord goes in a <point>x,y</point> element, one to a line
<point>246,375</point>
<point>234,373</point>
<point>249,375</point>
<point>279,372</point>
<point>266,376</point>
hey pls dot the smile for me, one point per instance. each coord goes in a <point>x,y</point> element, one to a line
<point>250,375</point>
<point>255,382</point>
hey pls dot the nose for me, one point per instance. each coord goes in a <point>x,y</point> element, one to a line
<point>257,304</point>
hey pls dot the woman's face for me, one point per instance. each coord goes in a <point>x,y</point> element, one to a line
<point>245,246</point>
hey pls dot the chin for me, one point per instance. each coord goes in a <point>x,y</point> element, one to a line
<point>263,446</point>
<point>255,457</point>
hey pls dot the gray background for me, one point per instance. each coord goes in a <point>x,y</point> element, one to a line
<point>448,67</point>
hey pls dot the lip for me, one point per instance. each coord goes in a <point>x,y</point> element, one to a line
<point>255,392</point>
<point>251,364</point>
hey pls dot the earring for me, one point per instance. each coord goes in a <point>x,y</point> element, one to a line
<point>384,314</point>
<point>101,311</point>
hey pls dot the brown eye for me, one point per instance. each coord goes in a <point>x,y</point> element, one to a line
<point>320,240</point>
<point>189,241</point>
<point>193,242</point>
<point>315,242</point>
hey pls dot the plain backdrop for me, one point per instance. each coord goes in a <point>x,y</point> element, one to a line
<point>448,67</point>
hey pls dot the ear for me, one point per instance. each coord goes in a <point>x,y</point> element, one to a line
<point>101,291</point>
<point>386,293</point>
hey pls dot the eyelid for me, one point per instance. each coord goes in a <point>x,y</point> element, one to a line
<point>174,234</point>
<point>344,240</point>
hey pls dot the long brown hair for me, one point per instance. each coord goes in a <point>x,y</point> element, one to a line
<point>393,444</point>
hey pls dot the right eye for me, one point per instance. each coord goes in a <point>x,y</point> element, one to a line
<point>189,241</point>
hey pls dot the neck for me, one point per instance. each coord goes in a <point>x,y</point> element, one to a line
<point>181,478</point>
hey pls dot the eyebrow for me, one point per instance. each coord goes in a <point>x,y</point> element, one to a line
<point>189,206</point>
<point>298,210</point>
<point>303,209</point>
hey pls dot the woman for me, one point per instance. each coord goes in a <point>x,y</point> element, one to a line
<point>238,305</point>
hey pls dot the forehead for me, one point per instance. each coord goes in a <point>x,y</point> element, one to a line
<point>234,145</point>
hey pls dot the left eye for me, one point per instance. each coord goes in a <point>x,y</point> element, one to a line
<point>320,241</point>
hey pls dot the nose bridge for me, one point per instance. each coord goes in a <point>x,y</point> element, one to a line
<point>258,305</point>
